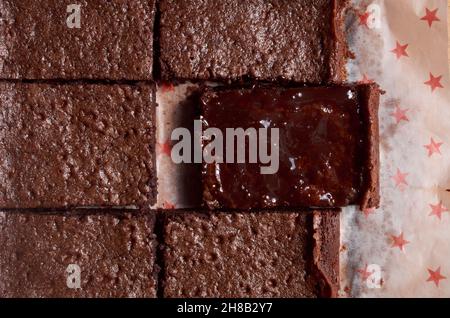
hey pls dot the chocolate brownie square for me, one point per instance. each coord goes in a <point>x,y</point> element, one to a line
<point>75,256</point>
<point>68,145</point>
<point>44,39</point>
<point>291,40</point>
<point>283,254</point>
<point>326,155</point>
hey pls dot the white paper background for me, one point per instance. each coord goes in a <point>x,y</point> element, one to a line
<point>368,240</point>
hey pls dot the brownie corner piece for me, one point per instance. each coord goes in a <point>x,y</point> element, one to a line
<point>251,255</point>
<point>234,40</point>
<point>77,145</point>
<point>60,39</point>
<point>93,254</point>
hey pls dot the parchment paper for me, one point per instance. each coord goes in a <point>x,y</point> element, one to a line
<point>414,180</point>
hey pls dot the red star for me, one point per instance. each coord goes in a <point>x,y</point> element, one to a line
<point>347,290</point>
<point>434,82</point>
<point>435,276</point>
<point>437,210</point>
<point>400,114</point>
<point>430,16</point>
<point>366,80</point>
<point>364,18</point>
<point>368,211</point>
<point>399,241</point>
<point>164,148</point>
<point>364,274</point>
<point>167,87</point>
<point>434,147</point>
<point>400,179</point>
<point>168,206</point>
<point>400,50</point>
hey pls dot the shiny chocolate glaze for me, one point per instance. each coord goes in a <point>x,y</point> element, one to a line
<point>321,147</point>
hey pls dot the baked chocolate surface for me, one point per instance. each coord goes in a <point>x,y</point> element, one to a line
<point>115,252</point>
<point>114,41</point>
<point>328,147</point>
<point>64,145</point>
<point>300,41</point>
<point>284,254</point>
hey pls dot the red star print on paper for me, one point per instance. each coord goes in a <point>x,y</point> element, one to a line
<point>430,16</point>
<point>364,18</point>
<point>166,88</point>
<point>435,276</point>
<point>399,241</point>
<point>366,80</point>
<point>400,114</point>
<point>168,206</point>
<point>164,148</point>
<point>400,50</point>
<point>434,82</point>
<point>368,211</point>
<point>347,290</point>
<point>434,147</point>
<point>437,210</point>
<point>400,179</point>
<point>364,274</point>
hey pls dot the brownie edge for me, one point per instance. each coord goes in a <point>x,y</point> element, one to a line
<point>339,48</point>
<point>370,94</point>
<point>326,251</point>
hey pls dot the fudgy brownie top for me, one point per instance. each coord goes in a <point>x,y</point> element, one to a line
<point>114,40</point>
<point>109,254</point>
<point>65,145</point>
<point>281,254</point>
<point>325,141</point>
<point>300,40</point>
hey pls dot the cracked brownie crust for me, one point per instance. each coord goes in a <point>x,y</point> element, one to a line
<point>281,254</point>
<point>68,145</point>
<point>296,41</point>
<point>114,41</point>
<point>115,252</point>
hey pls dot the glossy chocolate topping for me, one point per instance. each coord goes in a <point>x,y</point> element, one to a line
<point>321,147</point>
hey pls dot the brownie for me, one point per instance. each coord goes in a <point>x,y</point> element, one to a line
<point>114,41</point>
<point>269,40</point>
<point>328,147</point>
<point>240,255</point>
<point>51,255</point>
<point>67,145</point>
